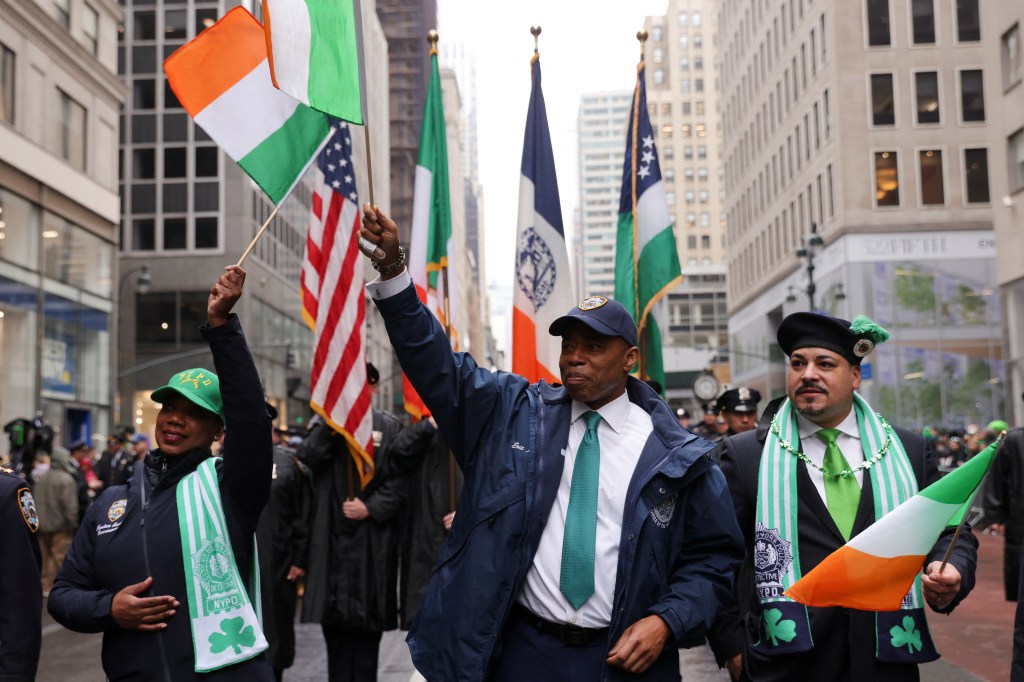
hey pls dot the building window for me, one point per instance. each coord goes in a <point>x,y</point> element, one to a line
<point>144,93</point>
<point>659,76</point>
<point>972,95</point>
<point>1015,159</point>
<point>684,63</point>
<point>1013,64</point>
<point>684,19</point>
<point>887,181</point>
<point>826,110</point>
<point>656,33</point>
<point>684,86</point>
<point>932,189</point>
<point>968,21</point>
<point>144,26</point>
<point>175,24</point>
<point>659,55</point>
<point>976,175</point>
<point>72,130</point>
<point>6,84</point>
<point>684,42</point>
<point>691,242</point>
<point>63,12</point>
<point>878,22</point>
<point>705,241</point>
<point>695,19</point>
<point>926,83</point>
<point>923,12</point>
<point>883,107</point>
<point>698,42</point>
<point>90,29</point>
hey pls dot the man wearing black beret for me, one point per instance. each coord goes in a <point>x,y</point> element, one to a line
<point>821,467</point>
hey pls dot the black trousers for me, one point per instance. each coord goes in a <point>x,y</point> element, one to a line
<point>529,654</point>
<point>351,653</point>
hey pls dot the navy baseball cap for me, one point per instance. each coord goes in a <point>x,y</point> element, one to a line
<point>603,315</point>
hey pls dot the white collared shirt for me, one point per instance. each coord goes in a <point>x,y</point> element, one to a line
<point>622,433</point>
<point>814,447</point>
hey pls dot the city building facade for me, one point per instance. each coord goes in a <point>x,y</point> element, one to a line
<point>857,136</point>
<point>59,101</point>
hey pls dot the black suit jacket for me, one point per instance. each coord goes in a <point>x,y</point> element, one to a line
<point>844,639</point>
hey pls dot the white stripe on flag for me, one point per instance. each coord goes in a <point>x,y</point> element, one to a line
<point>923,515</point>
<point>239,135</point>
<point>291,53</point>
<point>652,215</point>
<point>420,226</point>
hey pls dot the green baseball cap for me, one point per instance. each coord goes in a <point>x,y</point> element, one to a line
<point>201,386</point>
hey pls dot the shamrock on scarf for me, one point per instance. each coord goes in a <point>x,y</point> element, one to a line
<point>907,636</point>
<point>777,629</point>
<point>233,636</point>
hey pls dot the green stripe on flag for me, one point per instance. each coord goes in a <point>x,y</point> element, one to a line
<point>958,486</point>
<point>433,156</point>
<point>334,52</point>
<point>658,268</point>
<point>281,159</point>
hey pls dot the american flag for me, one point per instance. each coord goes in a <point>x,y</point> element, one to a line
<point>333,304</point>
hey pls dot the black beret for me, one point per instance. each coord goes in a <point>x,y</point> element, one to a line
<point>853,340</point>
<point>740,399</point>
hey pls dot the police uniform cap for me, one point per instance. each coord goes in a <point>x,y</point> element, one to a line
<point>604,315</point>
<point>682,413</point>
<point>372,375</point>
<point>853,341</point>
<point>78,445</point>
<point>741,399</point>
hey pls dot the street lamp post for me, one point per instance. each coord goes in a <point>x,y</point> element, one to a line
<point>142,284</point>
<point>808,249</point>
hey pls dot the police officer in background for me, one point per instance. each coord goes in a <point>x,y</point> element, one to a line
<point>706,428</point>
<point>739,409</point>
<point>21,600</point>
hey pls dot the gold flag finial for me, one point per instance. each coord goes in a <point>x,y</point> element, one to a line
<point>535,31</point>
<point>641,35</point>
<point>432,38</point>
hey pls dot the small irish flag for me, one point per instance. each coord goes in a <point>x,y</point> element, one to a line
<point>875,569</point>
<point>314,48</point>
<point>222,78</point>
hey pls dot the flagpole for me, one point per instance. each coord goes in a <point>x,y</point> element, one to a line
<point>252,244</point>
<point>641,35</point>
<point>960,526</point>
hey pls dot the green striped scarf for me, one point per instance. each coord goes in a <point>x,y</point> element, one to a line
<point>784,625</point>
<point>226,629</point>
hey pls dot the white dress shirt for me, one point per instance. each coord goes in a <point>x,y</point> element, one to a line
<point>622,433</point>
<point>814,447</point>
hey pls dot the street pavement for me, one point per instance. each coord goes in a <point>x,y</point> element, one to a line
<point>976,642</point>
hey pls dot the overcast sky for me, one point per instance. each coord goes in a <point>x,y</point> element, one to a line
<point>584,47</point>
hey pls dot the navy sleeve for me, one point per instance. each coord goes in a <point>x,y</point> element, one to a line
<point>248,450</point>
<point>448,382</point>
<point>21,601</point>
<point>75,602</point>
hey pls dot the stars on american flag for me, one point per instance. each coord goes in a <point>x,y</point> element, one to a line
<point>335,159</point>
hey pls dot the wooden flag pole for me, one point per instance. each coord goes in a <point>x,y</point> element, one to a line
<point>960,526</point>
<point>252,244</point>
<point>369,158</point>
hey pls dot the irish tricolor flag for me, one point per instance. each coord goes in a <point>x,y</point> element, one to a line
<point>314,48</point>
<point>646,260</point>
<point>875,569</point>
<point>222,78</point>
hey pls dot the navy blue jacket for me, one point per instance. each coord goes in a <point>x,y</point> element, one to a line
<point>114,549</point>
<point>507,436</point>
<point>21,597</point>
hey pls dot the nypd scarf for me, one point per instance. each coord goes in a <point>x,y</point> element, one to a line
<point>784,626</point>
<point>225,627</point>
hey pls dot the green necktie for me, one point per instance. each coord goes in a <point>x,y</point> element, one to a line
<point>577,577</point>
<point>842,493</point>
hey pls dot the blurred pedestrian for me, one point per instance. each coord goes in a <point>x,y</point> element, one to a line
<point>683,417</point>
<point>57,500</point>
<point>88,482</point>
<point>179,535</point>
<point>352,578</point>
<point>140,446</point>
<point>115,464</point>
<point>707,428</point>
<point>738,407</point>
<point>1003,502</point>
<point>283,540</point>
<point>21,600</point>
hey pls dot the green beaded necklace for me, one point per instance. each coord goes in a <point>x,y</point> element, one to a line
<point>845,473</point>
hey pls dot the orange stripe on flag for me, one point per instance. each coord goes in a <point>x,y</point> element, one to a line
<point>857,580</point>
<point>198,71</point>
<point>524,350</point>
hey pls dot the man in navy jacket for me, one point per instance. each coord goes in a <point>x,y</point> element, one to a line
<point>666,539</point>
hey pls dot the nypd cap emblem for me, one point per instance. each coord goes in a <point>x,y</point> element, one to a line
<point>863,348</point>
<point>592,303</point>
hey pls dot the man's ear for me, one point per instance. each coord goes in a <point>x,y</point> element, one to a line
<point>631,358</point>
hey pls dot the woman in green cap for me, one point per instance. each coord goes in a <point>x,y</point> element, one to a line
<point>162,565</point>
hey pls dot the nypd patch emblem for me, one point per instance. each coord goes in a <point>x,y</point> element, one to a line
<point>27,504</point>
<point>117,509</point>
<point>662,512</point>
<point>772,558</point>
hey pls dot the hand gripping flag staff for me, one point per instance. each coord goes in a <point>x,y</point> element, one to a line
<point>543,290</point>
<point>646,259</point>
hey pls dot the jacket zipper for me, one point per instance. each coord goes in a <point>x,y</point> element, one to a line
<point>145,558</point>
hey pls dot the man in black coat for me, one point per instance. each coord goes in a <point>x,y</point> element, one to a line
<point>1004,505</point>
<point>352,577</point>
<point>838,643</point>
<point>21,600</point>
